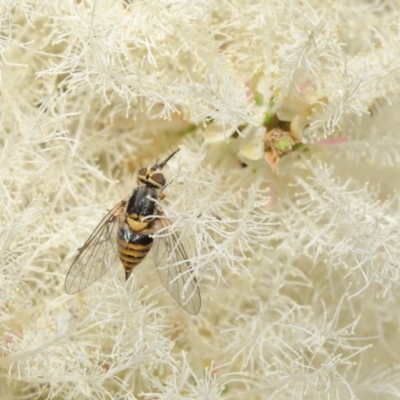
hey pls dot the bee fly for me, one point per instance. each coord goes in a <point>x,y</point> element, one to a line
<point>133,222</point>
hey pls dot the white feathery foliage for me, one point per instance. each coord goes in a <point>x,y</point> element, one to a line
<point>284,194</point>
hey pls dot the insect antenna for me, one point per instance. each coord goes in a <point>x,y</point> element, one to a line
<point>163,163</point>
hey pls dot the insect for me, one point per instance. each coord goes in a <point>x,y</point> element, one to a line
<point>126,233</point>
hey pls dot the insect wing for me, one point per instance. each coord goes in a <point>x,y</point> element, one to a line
<point>174,269</point>
<point>97,255</point>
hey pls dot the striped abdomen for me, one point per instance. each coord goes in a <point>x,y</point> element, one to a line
<point>132,248</point>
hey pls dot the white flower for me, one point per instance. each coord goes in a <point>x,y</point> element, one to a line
<point>298,271</point>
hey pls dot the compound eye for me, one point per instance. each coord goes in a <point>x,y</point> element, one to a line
<point>142,172</point>
<point>158,179</point>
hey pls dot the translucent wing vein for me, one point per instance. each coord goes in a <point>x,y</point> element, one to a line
<point>97,255</point>
<point>175,270</point>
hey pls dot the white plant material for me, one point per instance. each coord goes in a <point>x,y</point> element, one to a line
<point>298,270</point>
